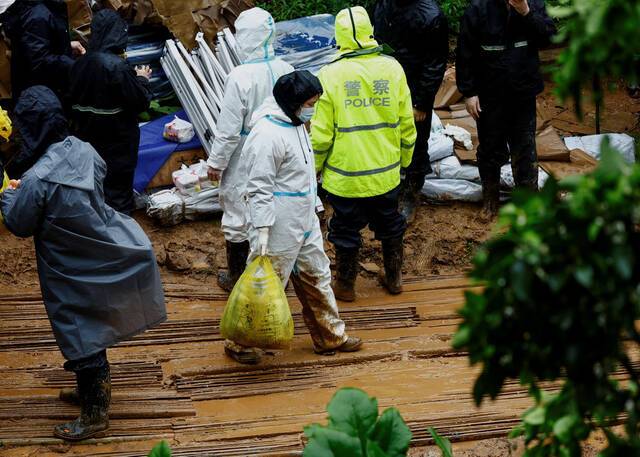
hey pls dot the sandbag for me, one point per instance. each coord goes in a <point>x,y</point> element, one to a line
<point>440,146</point>
<point>452,190</point>
<point>451,168</point>
<point>257,312</point>
<point>591,144</point>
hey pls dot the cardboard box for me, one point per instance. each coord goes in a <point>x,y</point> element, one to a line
<point>551,147</point>
<point>580,163</point>
<point>448,93</point>
<point>163,178</point>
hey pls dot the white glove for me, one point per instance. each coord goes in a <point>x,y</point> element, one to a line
<point>263,239</point>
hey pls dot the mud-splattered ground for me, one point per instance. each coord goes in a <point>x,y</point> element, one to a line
<point>174,383</point>
<point>441,241</point>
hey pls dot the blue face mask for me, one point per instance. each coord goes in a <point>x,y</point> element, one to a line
<point>306,114</point>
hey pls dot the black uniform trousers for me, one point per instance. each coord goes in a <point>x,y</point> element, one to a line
<point>507,130</point>
<point>420,165</point>
<point>351,215</point>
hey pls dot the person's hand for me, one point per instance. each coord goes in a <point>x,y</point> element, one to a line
<point>263,240</point>
<point>214,174</point>
<point>14,184</point>
<point>521,6</point>
<point>473,106</point>
<point>145,71</point>
<point>418,115</point>
<point>77,49</point>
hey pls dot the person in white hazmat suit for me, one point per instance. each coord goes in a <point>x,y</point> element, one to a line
<point>247,86</point>
<point>282,194</point>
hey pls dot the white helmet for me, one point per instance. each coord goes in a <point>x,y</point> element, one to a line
<point>5,4</point>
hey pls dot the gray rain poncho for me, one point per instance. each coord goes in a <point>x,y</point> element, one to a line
<point>98,273</point>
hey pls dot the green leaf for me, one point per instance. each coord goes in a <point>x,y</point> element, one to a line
<point>161,449</point>
<point>462,337</point>
<point>373,450</point>
<point>534,416</point>
<point>584,275</point>
<point>353,412</point>
<point>443,444</point>
<point>391,434</point>
<point>517,432</point>
<point>325,442</point>
<point>562,427</point>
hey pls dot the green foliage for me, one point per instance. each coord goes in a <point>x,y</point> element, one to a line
<point>562,294</point>
<point>355,430</point>
<point>454,9</point>
<point>159,108</point>
<point>160,450</point>
<point>443,444</point>
<point>603,42</point>
<point>284,10</point>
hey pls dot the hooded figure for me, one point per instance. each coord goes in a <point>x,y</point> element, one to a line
<point>40,45</point>
<point>247,86</point>
<point>363,133</point>
<point>282,194</point>
<point>98,274</point>
<point>107,95</point>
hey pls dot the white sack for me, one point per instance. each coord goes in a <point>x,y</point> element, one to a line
<point>591,144</point>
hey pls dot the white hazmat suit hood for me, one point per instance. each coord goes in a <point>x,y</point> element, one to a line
<point>5,4</point>
<point>247,87</point>
<point>255,34</point>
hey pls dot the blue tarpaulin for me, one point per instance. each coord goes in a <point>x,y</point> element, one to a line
<point>154,150</point>
<point>307,43</point>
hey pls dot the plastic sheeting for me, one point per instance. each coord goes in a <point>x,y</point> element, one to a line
<point>452,180</point>
<point>452,190</point>
<point>591,144</point>
<point>154,150</point>
<point>440,146</point>
<point>169,207</point>
<point>307,43</point>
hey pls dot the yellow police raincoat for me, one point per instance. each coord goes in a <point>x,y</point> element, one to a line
<point>363,131</point>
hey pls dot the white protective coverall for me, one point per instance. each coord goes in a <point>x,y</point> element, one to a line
<point>282,195</point>
<point>246,88</point>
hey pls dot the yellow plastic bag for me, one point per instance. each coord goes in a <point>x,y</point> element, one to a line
<point>257,312</point>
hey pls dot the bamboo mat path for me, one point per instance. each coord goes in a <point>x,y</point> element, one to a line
<point>174,383</point>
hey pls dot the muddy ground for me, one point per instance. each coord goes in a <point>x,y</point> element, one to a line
<point>442,241</point>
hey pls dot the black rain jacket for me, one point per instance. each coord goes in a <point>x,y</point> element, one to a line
<point>106,97</point>
<point>418,32</point>
<point>498,48</point>
<point>39,122</point>
<point>40,44</point>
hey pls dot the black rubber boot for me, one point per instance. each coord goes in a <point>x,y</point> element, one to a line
<point>410,195</point>
<point>490,200</point>
<point>70,395</point>
<point>237,254</point>
<point>392,253</point>
<point>344,287</point>
<point>94,388</point>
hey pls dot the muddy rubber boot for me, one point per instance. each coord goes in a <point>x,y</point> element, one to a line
<point>70,395</point>
<point>410,197</point>
<point>392,254</point>
<point>242,354</point>
<point>344,287</point>
<point>237,254</point>
<point>490,199</point>
<point>353,344</point>
<point>94,387</point>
